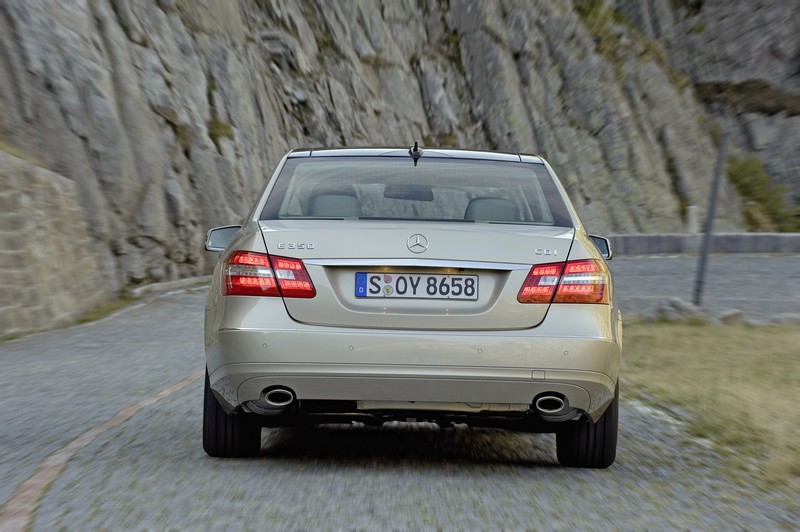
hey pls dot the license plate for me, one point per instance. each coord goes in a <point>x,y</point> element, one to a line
<point>416,286</point>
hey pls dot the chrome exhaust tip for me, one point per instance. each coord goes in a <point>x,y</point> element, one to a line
<point>550,404</point>
<point>555,408</point>
<point>279,397</point>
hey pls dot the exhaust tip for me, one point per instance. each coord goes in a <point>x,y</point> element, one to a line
<point>550,404</point>
<point>279,397</point>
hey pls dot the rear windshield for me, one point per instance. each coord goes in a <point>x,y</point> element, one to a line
<point>383,188</point>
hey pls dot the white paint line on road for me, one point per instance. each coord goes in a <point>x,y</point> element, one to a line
<point>18,511</point>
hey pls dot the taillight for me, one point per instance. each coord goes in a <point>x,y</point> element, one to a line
<point>292,277</point>
<point>584,281</point>
<point>541,283</point>
<point>249,274</point>
<point>256,274</point>
<point>576,281</point>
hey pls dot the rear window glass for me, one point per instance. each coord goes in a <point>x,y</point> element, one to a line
<point>445,190</point>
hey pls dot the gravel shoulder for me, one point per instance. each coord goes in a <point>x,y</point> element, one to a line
<point>151,472</point>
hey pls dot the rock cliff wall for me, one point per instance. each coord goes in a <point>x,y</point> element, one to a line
<point>742,58</point>
<point>48,277</point>
<point>167,116</point>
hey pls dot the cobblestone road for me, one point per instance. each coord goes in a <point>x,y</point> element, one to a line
<point>150,472</point>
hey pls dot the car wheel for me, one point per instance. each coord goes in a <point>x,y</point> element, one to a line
<point>586,444</point>
<point>228,436</point>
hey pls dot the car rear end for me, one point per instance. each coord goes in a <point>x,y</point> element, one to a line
<point>454,287</point>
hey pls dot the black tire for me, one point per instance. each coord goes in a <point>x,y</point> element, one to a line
<point>586,444</point>
<point>228,436</point>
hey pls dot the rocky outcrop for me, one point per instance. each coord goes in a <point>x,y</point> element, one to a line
<point>50,271</point>
<point>743,60</point>
<point>168,116</point>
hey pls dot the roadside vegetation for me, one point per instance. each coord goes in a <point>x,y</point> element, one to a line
<point>735,385</point>
<point>764,202</point>
<point>104,309</point>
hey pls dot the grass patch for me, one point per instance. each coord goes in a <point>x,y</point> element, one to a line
<point>217,129</point>
<point>697,29</point>
<point>764,201</point>
<point>104,309</point>
<point>617,38</point>
<point>751,96</point>
<point>21,154</point>
<point>452,50</point>
<point>737,383</point>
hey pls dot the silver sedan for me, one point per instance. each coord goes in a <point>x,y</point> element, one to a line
<point>380,284</point>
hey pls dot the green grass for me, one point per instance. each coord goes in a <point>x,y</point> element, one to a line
<point>764,201</point>
<point>452,49</point>
<point>738,385</point>
<point>609,25</point>
<point>21,154</point>
<point>104,309</point>
<point>751,96</point>
<point>217,129</point>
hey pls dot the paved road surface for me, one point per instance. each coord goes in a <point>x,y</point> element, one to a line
<point>761,286</point>
<point>149,470</point>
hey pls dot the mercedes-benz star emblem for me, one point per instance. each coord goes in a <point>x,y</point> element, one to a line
<point>417,243</point>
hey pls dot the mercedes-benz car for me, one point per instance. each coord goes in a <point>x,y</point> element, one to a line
<point>448,286</point>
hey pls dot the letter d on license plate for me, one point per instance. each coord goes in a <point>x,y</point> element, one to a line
<point>416,286</point>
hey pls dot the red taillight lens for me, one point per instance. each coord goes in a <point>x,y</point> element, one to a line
<point>541,283</point>
<point>292,277</point>
<point>256,274</point>
<point>249,274</point>
<point>583,281</point>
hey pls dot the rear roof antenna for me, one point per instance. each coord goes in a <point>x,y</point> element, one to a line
<point>415,152</point>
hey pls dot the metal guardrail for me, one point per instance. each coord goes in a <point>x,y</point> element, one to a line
<point>690,244</point>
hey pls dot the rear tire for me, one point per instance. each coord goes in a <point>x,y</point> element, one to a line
<point>586,444</point>
<point>228,436</point>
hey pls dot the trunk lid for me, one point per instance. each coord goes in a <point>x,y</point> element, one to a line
<point>439,276</point>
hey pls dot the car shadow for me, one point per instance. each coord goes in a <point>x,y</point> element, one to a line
<point>407,443</point>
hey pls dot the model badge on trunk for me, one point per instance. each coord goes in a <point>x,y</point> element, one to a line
<point>295,245</point>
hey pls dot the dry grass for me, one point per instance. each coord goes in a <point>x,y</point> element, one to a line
<point>738,384</point>
<point>21,154</point>
<point>104,309</point>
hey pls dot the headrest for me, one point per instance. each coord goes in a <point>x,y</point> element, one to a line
<point>498,209</point>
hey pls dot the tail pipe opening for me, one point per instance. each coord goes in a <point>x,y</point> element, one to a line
<point>279,397</point>
<point>273,401</point>
<point>554,407</point>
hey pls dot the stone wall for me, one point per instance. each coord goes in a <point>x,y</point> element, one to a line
<point>51,274</point>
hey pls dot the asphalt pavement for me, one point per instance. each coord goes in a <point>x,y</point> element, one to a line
<point>147,469</point>
<point>763,287</point>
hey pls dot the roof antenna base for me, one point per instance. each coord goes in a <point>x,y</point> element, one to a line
<point>415,152</point>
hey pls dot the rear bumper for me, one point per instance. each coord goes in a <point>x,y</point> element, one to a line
<point>575,352</point>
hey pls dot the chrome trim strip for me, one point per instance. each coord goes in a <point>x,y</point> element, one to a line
<point>419,263</point>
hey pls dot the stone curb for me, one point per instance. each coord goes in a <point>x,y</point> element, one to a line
<point>676,244</point>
